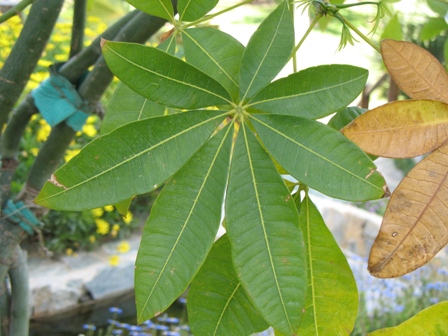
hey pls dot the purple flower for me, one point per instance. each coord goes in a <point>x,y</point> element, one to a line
<point>115,310</point>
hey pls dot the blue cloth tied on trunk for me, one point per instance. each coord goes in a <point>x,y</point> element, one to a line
<point>57,100</point>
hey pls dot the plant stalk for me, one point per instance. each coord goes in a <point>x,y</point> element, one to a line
<point>360,34</point>
<point>15,10</point>
<point>27,50</point>
<point>79,22</point>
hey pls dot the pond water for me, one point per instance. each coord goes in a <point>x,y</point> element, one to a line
<point>71,324</point>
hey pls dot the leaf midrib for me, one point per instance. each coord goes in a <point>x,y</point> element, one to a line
<point>170,78</point>
<point>133,157</point>
<point>303,93</point>
<point>210,57</point>
<point>186,222</point>
<point>317,154</point>
<point>254,182</point>
<point>225,308</point>
<point>264,56</point>
<point>310,262</point>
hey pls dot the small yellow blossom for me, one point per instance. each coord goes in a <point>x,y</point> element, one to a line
<point>116,227</point>
<point>60,57</point>
<point>92,239</point>
<point>44,63</point>
<point>70,153</point>
<point>34,151</point>
<point>128,218</point>
<point>102,227</point>
<point>92,119</point>
<point>43,132</point>
<point>109,208</point>
<point>69,251</point>
<point>89,130</point>
<point>113,233</point>
<point>98,212</point>
<point>114,260</point>
<point>123,247</point>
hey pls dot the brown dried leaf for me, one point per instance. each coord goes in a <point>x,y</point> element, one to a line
<point>415,225</point>
<point>415,70</point>
<point>401,129</point>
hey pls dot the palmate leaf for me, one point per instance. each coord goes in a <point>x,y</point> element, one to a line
<point>217,303</point>
<point>401,129</point>
<point>267,245</point>
<point>191,10</point>
<point>332,298</point>
<point>415,70</point>
<point>312,93</point>
<point>215,53</point>
<point>415,225</point>
<point>182,227</point>
<point>126,106</point>
<point>161,77</point>
<point>159,8</point>
<point>429,322</point>
<point>132,160</point>
<point>267,52</point>
<point>320,157</point>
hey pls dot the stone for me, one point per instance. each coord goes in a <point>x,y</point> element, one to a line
<point>111,280</point>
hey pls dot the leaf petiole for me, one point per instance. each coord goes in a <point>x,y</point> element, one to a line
<point>360,34</point>
<point>208,17</point>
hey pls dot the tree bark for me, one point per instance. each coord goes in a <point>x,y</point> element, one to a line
<point>25,54</point>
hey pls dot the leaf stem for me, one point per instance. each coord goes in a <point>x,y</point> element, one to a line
<point>294,57</point>
<point>310,28</point>
<point>343,6</point>
<point>208,17</point>
<point>15,10</point>
<point>360,34</point>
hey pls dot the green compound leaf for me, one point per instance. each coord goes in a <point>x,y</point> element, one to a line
<point>217,303</point>
<point>181,228</point>
<point>431,321</point>
<point>191,10</point>
<point>159,8</point>
<point>169,45</point>
<point>267,52</point>
<point>126,106</point>
<point>345,117</point>
<point>215,53</point>
<point>332,298</point>
<point>134,159</point>
<point>262,226</point>
<point>161,77</point>
<point>312,93</point>
<point>320,157</point>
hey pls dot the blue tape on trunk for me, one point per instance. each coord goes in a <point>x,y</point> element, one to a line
<point>19,213</point>
<point>58,101</point>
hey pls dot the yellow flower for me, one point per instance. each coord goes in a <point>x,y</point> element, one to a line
<point>70,153</point>
<point>109,208</point>
<point>92,119</point>
<point>43,132</point>
<point>98,212</point>
<point>34,151</point>
<point>128,218</point>
<point>92,239</point>
<point>89,130</point>
<point>116,227</point>
<point>69,251</point>
<point>44,63</point>
<point>113,233</point>
<point>123,247</point>
<point>102,227</point>
<point>114,260</point>
<point>60,57</point>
